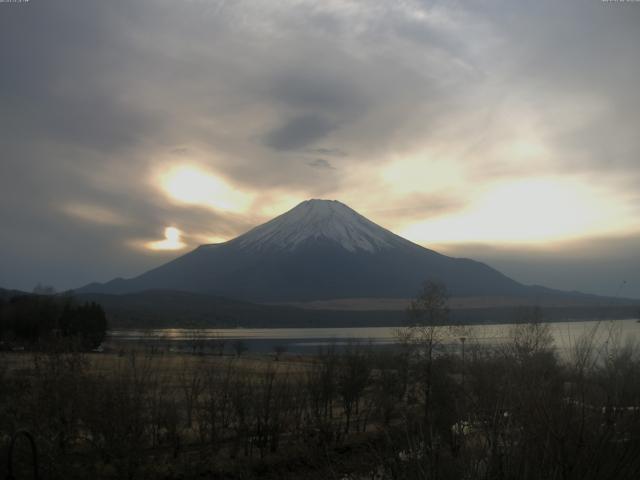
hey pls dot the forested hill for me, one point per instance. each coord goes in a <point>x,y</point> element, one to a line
<point>174,309</point>
<point>164,309</point>
<point>33,320</point>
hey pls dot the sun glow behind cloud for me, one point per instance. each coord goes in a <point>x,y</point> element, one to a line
<point>421,172</point>
<point>526,211</point>
<point>192,185</point>
<point>172,241</point>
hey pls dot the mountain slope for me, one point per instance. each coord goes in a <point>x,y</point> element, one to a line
<point>318,250</point>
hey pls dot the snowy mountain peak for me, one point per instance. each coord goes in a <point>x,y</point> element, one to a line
<point>320,220</point>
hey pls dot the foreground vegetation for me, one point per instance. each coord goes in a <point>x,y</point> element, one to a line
<point>438,405</point>
<point>416,412</point>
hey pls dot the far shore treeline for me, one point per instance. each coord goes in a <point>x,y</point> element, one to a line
<point>32,320</point>
<point>174,309</point>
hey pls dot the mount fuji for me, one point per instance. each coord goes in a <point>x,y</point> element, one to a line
<point>319,250</point>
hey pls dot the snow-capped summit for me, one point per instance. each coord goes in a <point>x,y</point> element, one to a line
<point>320,220</point>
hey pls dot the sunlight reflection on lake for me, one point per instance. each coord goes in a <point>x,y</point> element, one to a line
<point>565,335</point>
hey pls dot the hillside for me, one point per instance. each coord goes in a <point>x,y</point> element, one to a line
<point>171,309</point>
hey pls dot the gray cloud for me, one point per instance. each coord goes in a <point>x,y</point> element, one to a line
<point>60,84</point>
<point>299,132</point>
<point>95,95</point>
<point>332,152</point>
<point>320,163</point>
<point>319,90</point>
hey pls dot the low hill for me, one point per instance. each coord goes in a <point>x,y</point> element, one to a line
<point>174,309</point>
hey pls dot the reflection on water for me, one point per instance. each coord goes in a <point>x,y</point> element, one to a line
<point>565,334</point>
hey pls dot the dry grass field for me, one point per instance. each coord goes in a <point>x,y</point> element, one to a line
<point>145,412</point>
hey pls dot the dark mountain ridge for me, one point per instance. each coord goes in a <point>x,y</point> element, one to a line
<point>175,309</point>
<point>172,309</point>
<point>324,250</point>
<point>318,250</point>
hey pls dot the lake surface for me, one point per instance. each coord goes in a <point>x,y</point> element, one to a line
<point>566,335</point>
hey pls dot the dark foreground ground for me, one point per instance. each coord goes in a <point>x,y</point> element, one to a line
<point>416,412</point>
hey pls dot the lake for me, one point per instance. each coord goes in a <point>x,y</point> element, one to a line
<point>308,340</point>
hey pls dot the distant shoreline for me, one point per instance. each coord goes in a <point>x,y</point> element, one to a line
<point>376,318</point>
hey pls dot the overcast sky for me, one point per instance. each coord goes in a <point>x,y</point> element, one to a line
<point>499,130</point>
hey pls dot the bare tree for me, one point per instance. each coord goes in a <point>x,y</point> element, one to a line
<point>215,407</point>
<point>279,350</point>
<point>428,316</point>
<point>191,385</point>
<point>239,347</point>
<point>353,378</point>
<point>530,336</point>
<point>429,313</point>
